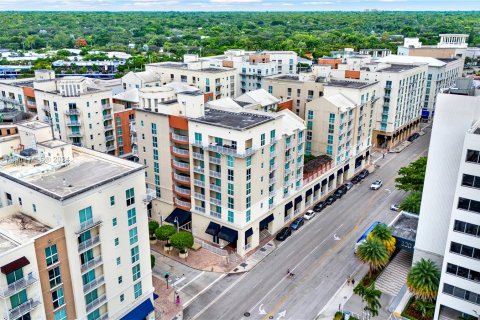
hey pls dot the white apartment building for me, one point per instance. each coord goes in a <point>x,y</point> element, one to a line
<point>17,94</point>
<point>79,110</point>
<point>341,122</point>
<point>448,228</point>
<point>217,82</point>
<point>137,80</point>
<point>450,46</point>
<point>68,217</point>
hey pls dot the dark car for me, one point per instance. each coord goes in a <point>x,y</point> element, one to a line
<point>342,189</point>
<point>413,137</point>
<point>356,179</point>
<point>363,174</point>
<point>330,200</point>
<point>319,206</point>
<point>297,223</point>
<point>284,234</point>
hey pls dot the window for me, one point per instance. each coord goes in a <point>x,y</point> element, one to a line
<point>330,139</point>
<point>130,195</point>
<point>154,128</point>
<point>332,118</point>
<point>122,297</point>
<point>112,201</point>
<point>230,161</point>
<point>262,139</point>
<point>471,181</point>
<point>270,89</point>
<point>120,279</point>
<point>468,228</point>
<point>61,314</point>
<point>137,289</point>
<point>331,128</point>
<point>198,138</point>
<point>119,261</point>
<point>465,250</point>
<point>249,174</point>
<point>133,235</point>
<point>114,222</point>
<point>18,298</point>
<point>230,174</point>
<point>132,216</point>
<point>57,298</point>
<point>136,272</point>
<point>231,203</point>
<point>249,188</point>
<point>154,142</point>
<point>272,135</point>
<point>156,167</point>
<point>135,254</point>
<point>461,293</point>
<point>155,154</point>
<point>54,277</point>
<point>469,205</point>
<point>463,272</point>
<point>230,216</point>
<point>472,156</point>
<point>116,241</point>
<point>51,254</point>
<point>85,215</point>
<point>230,189</point>
<point>247,216</point>
<point>249,202</point>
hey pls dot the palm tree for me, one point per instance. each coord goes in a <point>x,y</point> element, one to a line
<point>426,308</point>
<point>373,252</point>
<point>423,279</point>
<point>384,234</point>
<point>372,298</point>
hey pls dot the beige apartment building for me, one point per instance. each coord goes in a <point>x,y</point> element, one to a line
<point>79,110</point>
<point>300,89</point>
<point>341,122</point>
<point>69,216</point>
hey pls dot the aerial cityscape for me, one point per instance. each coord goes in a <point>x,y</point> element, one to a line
<point>239,159</point>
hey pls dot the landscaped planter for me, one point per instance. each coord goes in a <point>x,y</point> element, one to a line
<point>153,240</point>
<point>183,255</point>
<point>167,248</point>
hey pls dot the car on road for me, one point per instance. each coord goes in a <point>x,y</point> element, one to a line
<point>297,223</point>
<point>284,234</point>
<point>376,184</point>
<point>310,214</point>
<point>330,200</point>
<point>414,137</point>
<point>363,174</point>
<point>341,190</point>
<point>349,185</point>
<point>395,207</point>
<point>356,179</point>
<point>319,206</point>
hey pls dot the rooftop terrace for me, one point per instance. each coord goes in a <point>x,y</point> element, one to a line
<point>232,120</point>
<point>405,226</point>
<point>399,68</point>
<point>348,84</point>
<point>184,66</point>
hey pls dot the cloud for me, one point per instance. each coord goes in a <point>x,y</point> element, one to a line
<point>235,1</point>
<point>316,3</point>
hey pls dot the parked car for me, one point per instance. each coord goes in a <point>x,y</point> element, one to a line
<point>356,179</point>
<point>319,206</point>
<point>363,174</point>
<point>395,207</point>
<point>376,185</point>
<point>413,137</point>
<point>310,214</point>
<point>297,223</point>
<point>284,234</point>
<point>341,190</point>
<point>338,194</point>
<point>330,200</point>
<point>349,185</point>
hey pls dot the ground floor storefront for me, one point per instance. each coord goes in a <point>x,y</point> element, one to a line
<point>388,140</point>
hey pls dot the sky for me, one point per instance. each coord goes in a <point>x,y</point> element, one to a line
<point>237,5</point>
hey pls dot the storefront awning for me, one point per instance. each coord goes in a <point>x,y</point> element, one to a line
<point>331,177</point>
<point>324,182</point>
<point>264,223</point>
<point>213,228</point>
<point>316,187</point>
<point>298,199</point>
<point>228,234</point>
<point>346,168</point>
<point>182,216</point>
<point>308,193</point>
<point>140,312</point>
<point>15,265</point>
<point>248,233</point>
<point>339,172</point>
<point>289,206</point>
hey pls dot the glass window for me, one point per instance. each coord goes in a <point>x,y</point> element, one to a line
<point>132,216</point>
<point>154,128</point>
<point>137,289</point>
<point>54,277</point>
<point>119,261</point>
<point>247,216</point>
<point>61,314</point>
<point>112,200</point>
<point>114,222</point>
<point>57,298</point>
<point>262,139</point>
<point>230,216</point>
<point>230,190</point>
<point>135,254</point>
<point>230,161</point>
<point>231,203</point>
<point>85,215</point>
<point>116,241</point>
<point>120,279</point>
<point>130,195</point>
<point>472,156</point>
<point>51,254</point>
<point>249,174</point>
<point>136,272</point>
<point>133,235</point>
<point>230,174</point>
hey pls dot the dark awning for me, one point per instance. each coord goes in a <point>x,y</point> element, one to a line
<point>264,223</point>
<point>248,233</point>
<point>316,187</point>
<point>183,217</point>
<point>15,265</point>
<point>347,167</point>
<point>331,177</point>
<point>324,182</point>
<point>340,171</point>
<point>298,199</point>
<point>308,193</point>
<point>289,206</point>
<point>359,158</point>
<point>228,234</point>
<point>213,228</point>
<point>140,312</point>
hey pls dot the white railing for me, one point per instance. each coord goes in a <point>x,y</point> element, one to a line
<point>209,247</point>
<point>93,284</point>
<point>181,164</point>
<point>181,178</point>
<point>46,108</point>
<point>198,169</point>
<point>199,196</point>
<point>272,180</point>
<point>110,147</point>
<point>108,127</point>
<point>200,209</point>
<point>197,155</point>
<point>216,188</point>
<point>73,123</point>
<point>109,138</point>
<point>199,183</point>
<point>287,218</point>
<point>297,211</point>
<point>272,155</point>
<point>247,246</point>
<point>106,106</point>
<point>182,203</point>
<point>231,151</point>
<point>107,117</point>
<point>95,262</point>
<point>182,191</point>
<point>215,174</point>
<point>18,285</point>
<point>214,160</point>
<point>72,111</point>
<point>272,193</point>
<point>97,302</point>
<point>22,309</point>
<point>179,137</point>
<point>89,243</point>
<point>180,151</point>
<point>273,167</point>
<point>150,195</point>
<point>216,202</point>
<point>288,158</point>
<point>89,224</point>
<point>74,134</point>
<point>271,205</point>
<point>288,145</point>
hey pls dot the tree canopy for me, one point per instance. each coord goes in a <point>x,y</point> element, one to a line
<point>412,177</point>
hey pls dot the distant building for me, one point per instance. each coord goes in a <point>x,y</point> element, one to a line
<point>376,53</point>
<point>450,46</point>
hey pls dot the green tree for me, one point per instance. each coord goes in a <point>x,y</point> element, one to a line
<point>384,234</point>
<point>182,240</point>
<point>412,177</point>
<point>165,232</point>
<point>152,261</point>
<point>374,253</point>
<point>426,308</point>
<point>423,279</point>
<point>152,226</point>
<point>370,297</point>
<point>412,202</point>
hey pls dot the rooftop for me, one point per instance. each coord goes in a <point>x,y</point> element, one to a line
<point>52,143</point>
<point>184,66</point>
<point>34,125</point>
<point>232,120</point>
<point>349,84</point>
<point>12,115</point>
<point>287,77</point>
<point>405,226</point>
<point>398,67</point>
<point>64,180</point>
<point>315,164</point>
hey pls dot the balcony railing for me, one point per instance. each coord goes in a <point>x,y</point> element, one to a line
<point>97,302</point>
<point>72,111</point>
<point>106,106</point>
<point>200,209</point>
<point>150,195</point>
<point>197,155</point>
<point>199,183</point>
<point>216,188</point>
<point>109,138</point>
<point>18,285</point>
<point>272,193</point>
<point>273,167</point>
<point>95,283</point>
<point>181,178</point>
<point>182,191</point>
<point>108,127</point>
<point>46,108</point>
<point>181,203</point>
<point>73,123</point>
<point>216,202</point>
<point>272,155</point>
<point>288,145</point>
<point>198,169</point>
<point>230,151</point>
<point>107,117</point>
<point>214,160</point>
<point>74,134</point>
<point>183,152</point>
<point>110,147</point>
<point>215,174</point>
<point>179,137</point>
<point>95,262</point>
<point>288,158</point>
<point>22,309</point>
<point>271,205</point>
<point>199,196</point>
<point>272,180</point>
<point>287,218</point>
<point>10,100</point>
<point>89,224</point>
<point>183,165</point>
<point>88,244</point>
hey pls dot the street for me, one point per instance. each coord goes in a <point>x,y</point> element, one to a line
<point>320,254</point>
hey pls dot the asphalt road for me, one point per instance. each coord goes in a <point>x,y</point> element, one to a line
<point>320,254</point>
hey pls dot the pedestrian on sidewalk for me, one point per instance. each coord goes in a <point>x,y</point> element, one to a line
<point>177,301</point>
<point>348,280</point>
<point>383,155</point>
<point>353,282</point>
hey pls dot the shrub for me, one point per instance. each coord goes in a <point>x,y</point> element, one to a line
<point>152,261</point>
<point>338,316</point>
<point>165,232</point>
<point>152,226</point>
<point>182,240</point>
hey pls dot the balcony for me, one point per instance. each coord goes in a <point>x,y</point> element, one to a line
<point>200,209</point>
<point>198,169</point>
<point>107,127</point>
<point>89,224</point>
<point>46,119</point>
<point>110,147</point>
<point>10,100</point>
<point>72,111</point>
<point>182,153</point>
<point>149,195</point>
<point>288,145</point>
<point>216,202</point>
<point>215,160</point>
<point>309,98</point>
<point>199,196</point>
<point>95,262</point>
<point>215,174</point>
<point>183,166</point>
<point>215,188</point>
<point>288,158</point>
<point>18,285</point>
<point>107,117</point>
<point>88,244</point>
<point>183,204</point>
<point>104,316</point>
<point>271,205</point>
<point>230,151</point>
<point>272,155</point>
<point>300,152</point>
<point>95,283</point>
<point>178,138</point>
<point>74,134</point>
<point>109,138</point>
<point>106,106</point>
<point>273,167</point>
<point>73,123</point>
<point>182,191</point>
<point>272,193</point>
<point>197,155</point>
<point>272,180</point>
<point>199,183</point>
<point>46,108</point>
<point>96,303</point>
<point>181,178</point>
<point>22,309</point>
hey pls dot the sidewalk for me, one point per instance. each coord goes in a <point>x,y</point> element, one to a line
<point>165,308</point>
<point>251,261</point>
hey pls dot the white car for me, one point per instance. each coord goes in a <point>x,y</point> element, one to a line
<point>310,214</point>
<point>376,185</point>
<point>394,207</point>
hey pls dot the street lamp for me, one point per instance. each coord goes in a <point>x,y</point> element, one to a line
<point>176,221</point>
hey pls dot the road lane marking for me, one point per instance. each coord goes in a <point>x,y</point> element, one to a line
<point>178,281</point>
<point>195,278</point>
<point>204,289</point>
